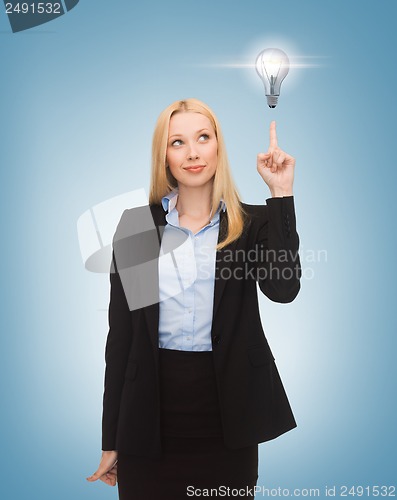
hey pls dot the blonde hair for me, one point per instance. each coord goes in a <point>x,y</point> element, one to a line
<point>162,181</point>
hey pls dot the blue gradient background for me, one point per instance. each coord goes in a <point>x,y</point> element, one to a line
<point>79,99</point>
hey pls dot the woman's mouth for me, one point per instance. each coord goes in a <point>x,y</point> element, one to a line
<point>195,168</point>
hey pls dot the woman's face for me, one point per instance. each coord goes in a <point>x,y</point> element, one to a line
<point>192,149</point>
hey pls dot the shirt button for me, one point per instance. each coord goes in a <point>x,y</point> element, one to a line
<point>216,339</point>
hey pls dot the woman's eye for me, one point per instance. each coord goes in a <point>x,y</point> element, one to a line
<point>204,137</point>
<point>177,142</point>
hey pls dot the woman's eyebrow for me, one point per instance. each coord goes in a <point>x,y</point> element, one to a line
<point>198,132</point>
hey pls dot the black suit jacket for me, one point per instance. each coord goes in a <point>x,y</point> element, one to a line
<point>253,404</point>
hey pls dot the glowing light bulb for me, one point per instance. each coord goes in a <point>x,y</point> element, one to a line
<point>272,65</point>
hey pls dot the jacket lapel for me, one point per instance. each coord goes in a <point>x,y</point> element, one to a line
<point>222,264</point>
<point>152,312</point>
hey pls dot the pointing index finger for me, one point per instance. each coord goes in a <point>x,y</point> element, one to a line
<point>273,135</point>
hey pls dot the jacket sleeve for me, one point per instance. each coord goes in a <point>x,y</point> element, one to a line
<point>277,246</point>
<point>116,354</point>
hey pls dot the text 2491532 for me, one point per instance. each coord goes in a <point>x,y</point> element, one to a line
<point>33,8</point>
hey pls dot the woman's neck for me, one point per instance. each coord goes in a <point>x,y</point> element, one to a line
<point>194,201</point>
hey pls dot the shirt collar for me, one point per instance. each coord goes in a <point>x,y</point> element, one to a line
<point>169,201</point>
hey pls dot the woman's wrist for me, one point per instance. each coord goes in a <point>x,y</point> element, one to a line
<point>279,193</point>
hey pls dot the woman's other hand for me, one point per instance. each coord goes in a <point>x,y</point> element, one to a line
<point>107,470</point>
<point>276,167</point>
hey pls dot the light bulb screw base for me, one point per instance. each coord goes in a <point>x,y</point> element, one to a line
<point>272,100</point>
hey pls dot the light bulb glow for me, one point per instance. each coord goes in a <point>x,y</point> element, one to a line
<point>272,66</point>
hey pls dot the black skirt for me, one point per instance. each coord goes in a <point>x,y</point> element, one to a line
<point>194,455</point>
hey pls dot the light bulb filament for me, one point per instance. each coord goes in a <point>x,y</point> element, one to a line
<point>272,82</point>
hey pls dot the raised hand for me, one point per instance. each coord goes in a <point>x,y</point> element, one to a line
<point>107,470</point>
<point>276,167</point>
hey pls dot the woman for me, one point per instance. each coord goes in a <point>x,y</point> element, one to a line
<point>191,386</point>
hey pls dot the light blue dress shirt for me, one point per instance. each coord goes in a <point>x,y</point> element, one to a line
<point>187,281</point>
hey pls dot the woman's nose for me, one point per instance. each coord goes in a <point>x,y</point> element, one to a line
<point>192,155</point>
